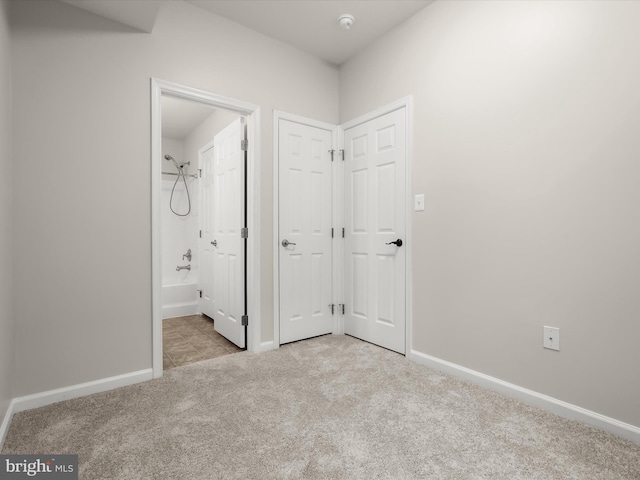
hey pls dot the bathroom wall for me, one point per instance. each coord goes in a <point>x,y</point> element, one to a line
<point>526,147</point>
<point>81,124</point>
<point>175,148</point>
<point>204,133</point>
<point>6,224</point>
<point>178,233</point>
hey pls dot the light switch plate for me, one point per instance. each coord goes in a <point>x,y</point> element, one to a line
<point>418,204</point>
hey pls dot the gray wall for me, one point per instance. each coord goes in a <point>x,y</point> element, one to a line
<point>82,171</point>
<point>6,259</point>
<point>526,146</point>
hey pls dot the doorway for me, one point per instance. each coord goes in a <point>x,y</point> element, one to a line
<point>368,230</point>
<point>161,89</point>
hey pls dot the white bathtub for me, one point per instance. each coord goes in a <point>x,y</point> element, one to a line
<point>179,300</point>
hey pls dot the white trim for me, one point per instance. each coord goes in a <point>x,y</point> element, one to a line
<point>276,231</point>
<point>74,391</point>
<point>266,347</point>
<point>408,308</point>
<point>378,112</point>
<point>252,112</point>
<point>277,116</point>
<point>6,421</point>
<point>407,104</point>
<point>337,191</point>
<point>553,405</point>
<point>41,399</point>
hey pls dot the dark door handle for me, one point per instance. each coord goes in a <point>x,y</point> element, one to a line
<point>397,243</point>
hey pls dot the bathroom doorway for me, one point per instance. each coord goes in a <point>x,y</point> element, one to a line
<point>184,124</point>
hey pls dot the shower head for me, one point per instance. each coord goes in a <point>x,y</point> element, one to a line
<point>170,158</point>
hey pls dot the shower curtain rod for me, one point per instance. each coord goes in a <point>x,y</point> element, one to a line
<point>176,174</point>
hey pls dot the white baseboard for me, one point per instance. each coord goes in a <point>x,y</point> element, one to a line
<point>36,400</point>
<point>559,407</point>
<point>6,421</point>
<point>179,310</point>
<point>266,347</point>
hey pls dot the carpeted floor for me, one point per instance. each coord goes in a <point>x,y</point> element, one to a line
<point>332,407</point>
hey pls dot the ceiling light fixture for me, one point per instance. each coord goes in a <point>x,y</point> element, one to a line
<point>346,21</point>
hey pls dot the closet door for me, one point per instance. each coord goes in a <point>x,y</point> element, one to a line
<point>304,240</point>
<point>375,222</point>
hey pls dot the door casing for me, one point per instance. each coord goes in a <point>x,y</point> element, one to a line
<point>338,213</point>
<point>252,113</point>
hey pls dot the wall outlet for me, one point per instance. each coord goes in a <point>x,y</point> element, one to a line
<point>551,338</point>
<point>418,203</point>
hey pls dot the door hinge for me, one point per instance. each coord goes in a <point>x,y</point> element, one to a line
<point>244,232</point>
<point>199,292</point>
<point>332,307</point>
<point>199,173</point>
<point>342,153</point>
<point>341,305</point>
<point>332,152</point>
<point>342,232</point>
<point>200,233</point>
<point>331,232</point>
<point>244,145</point>
<point>245,320</point>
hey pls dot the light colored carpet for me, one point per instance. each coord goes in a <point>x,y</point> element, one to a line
<point>332,407</point>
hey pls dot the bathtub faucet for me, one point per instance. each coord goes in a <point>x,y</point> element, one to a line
<point>183,267</point>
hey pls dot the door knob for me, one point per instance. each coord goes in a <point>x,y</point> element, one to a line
<point>286,243</point>
<point>397,243</point>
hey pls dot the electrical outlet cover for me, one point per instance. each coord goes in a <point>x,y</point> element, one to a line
<point>551,338</point>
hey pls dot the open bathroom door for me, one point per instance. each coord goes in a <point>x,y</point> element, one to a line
<point>206,250</point>
<point>224,220</point>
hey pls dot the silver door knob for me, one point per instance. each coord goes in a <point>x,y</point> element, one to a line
<point>286,243</point>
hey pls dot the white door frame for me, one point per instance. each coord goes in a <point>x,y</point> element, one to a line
<point>252,112</point>
<point>335,173</point>
<point>338,213</point>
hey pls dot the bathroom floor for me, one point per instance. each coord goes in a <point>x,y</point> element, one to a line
<point>192,339</point>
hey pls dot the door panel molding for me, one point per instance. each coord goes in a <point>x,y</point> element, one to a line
<point>277,116</point>
<point>375,162</point>
<point>227,221</point>
<point>407,104</point>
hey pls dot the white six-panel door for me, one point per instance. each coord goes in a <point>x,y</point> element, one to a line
<point>305,209</point>
<point>375,162</point>
<point>222,245</point>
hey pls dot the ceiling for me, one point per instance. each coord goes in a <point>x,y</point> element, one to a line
<point>310,25</point>
<point>180,117</point>
<point>138,14</point>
